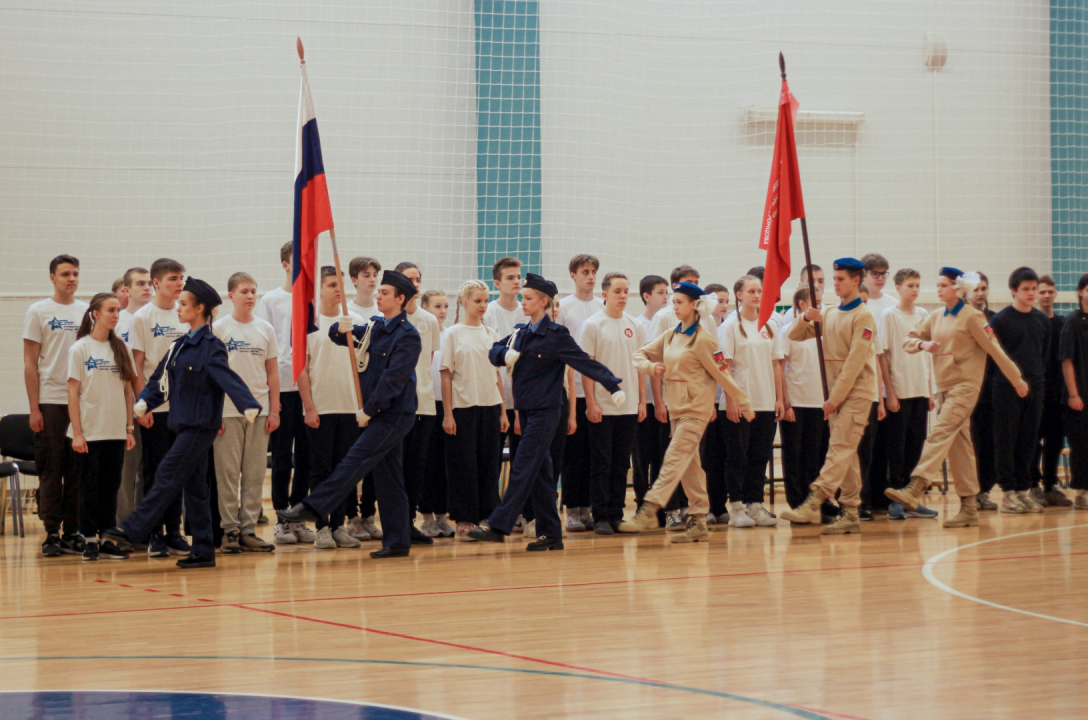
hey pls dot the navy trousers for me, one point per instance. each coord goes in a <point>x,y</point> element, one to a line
<point>531,476</point>
<point>184,469</point>
<point>379,450</point>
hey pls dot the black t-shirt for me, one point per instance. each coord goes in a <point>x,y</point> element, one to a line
<point>1074,346</point>
<point>1025,337</point>
<point>1054,380</point>
<point>984,397</point>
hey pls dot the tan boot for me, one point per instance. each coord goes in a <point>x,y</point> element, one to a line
<point>911,495</point>
<point>646,519</point>
<point>967,516</point>
<point>848,522</point>
<point>808,512</point>
<point>694,532</point>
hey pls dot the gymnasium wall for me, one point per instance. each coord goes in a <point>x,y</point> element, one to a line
<point>133,130</point>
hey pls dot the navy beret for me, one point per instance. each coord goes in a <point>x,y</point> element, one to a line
<point>203,292</point>
<point>536,282</point>
<point>400,282</point>
<point>951,273</point>
<point>848,263</point>
<point>692,290</point>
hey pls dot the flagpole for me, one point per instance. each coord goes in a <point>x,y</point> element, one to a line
<point>808,274</point>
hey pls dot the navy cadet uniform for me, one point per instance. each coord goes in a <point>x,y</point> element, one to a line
<point>545,349</point>
<point>389,411</point>
<point>198,375</point>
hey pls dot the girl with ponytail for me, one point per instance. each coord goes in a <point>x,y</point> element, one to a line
<point>100,375</point>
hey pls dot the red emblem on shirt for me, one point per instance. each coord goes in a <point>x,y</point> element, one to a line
<point>989,331</point>
<point>868,334</point>
<point>719,357</point>
<point>765,333</point>
<point>628,332</point>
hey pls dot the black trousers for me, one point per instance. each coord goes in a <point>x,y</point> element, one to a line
<point>610,443</point>
<point>1076,429</point>
<point>804,447</point>
<point>432,497</point>
<point>748,449</point>
<point>1051,442</point>
<point>576,464</point>
<point>58,475</point>
<point>329,443</point>
<point>473,463</point>
<point>646,454</point>
<point>1016,435</point>
<point>712,455</point>
<point>290,447</point>
<point>416,445</point>
<point>865,456</point>
<point>982,437</point>
<point>157,440</point>
<point>903,434</point>
<point>99,480</point>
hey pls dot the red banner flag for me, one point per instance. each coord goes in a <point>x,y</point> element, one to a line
<point>784,205</point>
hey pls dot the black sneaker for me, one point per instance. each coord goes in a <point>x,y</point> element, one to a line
<point>51,546</point>
<point>603,528</point>
<point>865,514</point>
<point>178,545</point>
<point>545,543</point>
<point>193,561</point>
<point>418,538</point>
<point>72,544</point>
<point>158,548</point>
<point>90,551</point>
<point>108,551</point>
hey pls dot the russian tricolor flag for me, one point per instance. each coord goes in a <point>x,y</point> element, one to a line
<point>313,216</point>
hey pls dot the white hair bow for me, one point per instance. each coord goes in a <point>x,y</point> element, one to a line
<point>968,281</point>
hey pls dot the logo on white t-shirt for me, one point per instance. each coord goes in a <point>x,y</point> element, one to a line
<point>92,363</point>
<point>628,332</point>
<point>60,324</point>
<point>160,330</point>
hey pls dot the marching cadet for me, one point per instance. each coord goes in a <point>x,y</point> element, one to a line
<point>193,375</point>
<point>960,339</point>
<point>536,355</point>
<point>387,354</point>
<point>848,355</point>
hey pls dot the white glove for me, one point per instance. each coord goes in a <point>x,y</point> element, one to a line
<point>511,358</point>
<point>251,414</point>
<point>619,398</point>
<point>345,325</point>
<point>362,418</point>
<point>140,408</point>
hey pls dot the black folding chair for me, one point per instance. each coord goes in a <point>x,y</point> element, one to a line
<point>17,448</point>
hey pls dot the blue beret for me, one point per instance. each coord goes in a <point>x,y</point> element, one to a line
<point>203,292</point>
<point>692,290</point>
<point>848,263</point>
<point>536,282</point>
<point>951,273</point>
<point>400,282</point>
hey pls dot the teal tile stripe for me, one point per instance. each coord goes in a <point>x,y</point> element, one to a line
<point>508,134</point>
<point>1069,140</point>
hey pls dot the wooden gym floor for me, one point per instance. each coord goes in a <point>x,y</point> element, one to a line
<point>905,621</point>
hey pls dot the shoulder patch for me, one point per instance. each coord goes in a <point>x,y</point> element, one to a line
<point>868,334</point>
<point>989,331</point>
<point>719,357</point>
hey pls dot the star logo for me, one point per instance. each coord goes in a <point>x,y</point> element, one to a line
<point>160,330</point>
<point>56,324</point>
<point>232,345</point>
<point>92,363</point>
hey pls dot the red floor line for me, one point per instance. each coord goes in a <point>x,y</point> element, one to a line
<point>827,712</point>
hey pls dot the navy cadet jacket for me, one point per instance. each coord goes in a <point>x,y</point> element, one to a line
<point>389,381</point>
<point>199,375</point>
<point>538,373</point>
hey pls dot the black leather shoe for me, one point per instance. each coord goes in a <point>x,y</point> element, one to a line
<point>545,543</point>
<point>193,561</point>
<point>389,553</point>
<point>487,535</point>
<point>419,538</point>
<point>120,538</point>
<point>298,513</point>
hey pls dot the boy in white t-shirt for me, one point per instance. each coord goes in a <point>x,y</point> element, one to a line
<point>327,388</point>
<point>648,451</point>
<point>573,311</point>
<point>818,275</point>
<point>154,329</point>
<point>502,315</point>
<point>137,283</point>
<point>612,337</point>
<point>289,443</point>
<point>876,277</point>
<point>365,273</point>
<point>241,451</point>
<point>49,332</point>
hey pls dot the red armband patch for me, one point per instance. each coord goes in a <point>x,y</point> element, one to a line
<point>868,334</point>
<point>989,331</point>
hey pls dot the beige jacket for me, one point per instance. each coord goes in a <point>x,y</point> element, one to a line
<point>966,339</point>
<point>848,351</point>
<point>691,373</point>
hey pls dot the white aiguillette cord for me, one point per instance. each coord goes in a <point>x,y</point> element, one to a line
<point>362,351</point>
<point>510,346</point>
<point>164,379</point>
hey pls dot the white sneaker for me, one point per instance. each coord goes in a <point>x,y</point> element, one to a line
<point>574,520</point>
<point>463,530</point>
<point>324,540</point>
<point>443,524</point>
<point>1081,503</point>
<point>674,521</point>
<point>343,537</point>
<point>1010,503</point>
<point>738,516</point>
<point>530,530</point>
<point>372,529</point>
<point>1029,502</point>
<point>760,516</point>
<point>358,529</point>
<point>303,533</point>
<point>283,535</point>
<point>430,528</point>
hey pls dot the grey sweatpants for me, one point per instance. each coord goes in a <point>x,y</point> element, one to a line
<point>131,491</point>
<point>241,458</point>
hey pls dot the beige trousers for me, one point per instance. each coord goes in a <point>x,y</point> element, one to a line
<point>951,438</point>
<point>241,457</point>
<point>841,469</point>
<point>682,465</point>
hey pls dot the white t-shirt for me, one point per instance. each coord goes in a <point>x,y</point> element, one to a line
<point>102,411</point>
<point>275,309</point>
<point>646,322</point>
<point>249,345</point>
<point>430,336</point>
<point>613,342</point>
<point>436,368</point>
<point>879,305</point>
<point>911,374</point>
<point>124,326</point>
<point>572,313</point>
<point>804,387</point>
<point>54,327</point>
<point>777,318</point>
<point>751,356</point>
<point>154,330</point>
<point>787,319</point>
<point>502,321</point>
<point>364,312</point>
<point>331,383</point>
<point>474,379</point>
<point>878,350</point>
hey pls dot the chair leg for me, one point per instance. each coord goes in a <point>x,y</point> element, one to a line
<point>17,507</point>
<point>4,505</point>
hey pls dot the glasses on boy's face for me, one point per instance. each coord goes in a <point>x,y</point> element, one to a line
<point>879,274</point>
